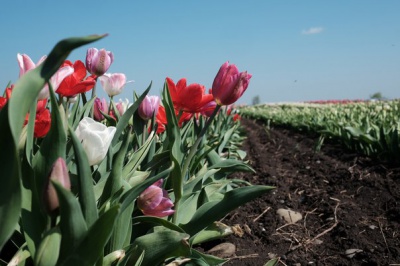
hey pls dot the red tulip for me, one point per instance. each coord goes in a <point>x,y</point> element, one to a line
<point>76,83</point>
<point>229,85</point>
<point>191,98</point>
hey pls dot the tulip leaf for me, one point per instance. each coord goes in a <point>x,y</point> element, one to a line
<point>137,157</point>
<point>49,249</point>
<point>207,259</point>
<point>157,222</point>
<point>114,181</point>
<point>160,245</point>
<point>120,233</point>
<point>10,189</point>
<point>226,138</point>
<point>215,210</point>
<point>52,147</point>
<point>124,119</point>
<point>72,223</point>
<point>29,85</point>
<point>231,165</point>
<point>216,230</point>
<point>30,133</point>
<point>86,190</point>
<point>90,248</point>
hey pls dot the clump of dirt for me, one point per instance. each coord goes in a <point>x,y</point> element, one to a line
<point>349,204</point>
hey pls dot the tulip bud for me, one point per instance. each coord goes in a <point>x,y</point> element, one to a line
<point>95,138</point>
<point>154,201</point>
<point>59,173</point>
<point>100,105</point>
<point>113,83</point>
<point>122,106</point>
<point>98,61</point>
<point>229,85</point>
<point>148,107</point>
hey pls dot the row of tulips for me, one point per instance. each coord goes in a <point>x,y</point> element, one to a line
<point>368,127</point>
<point>91,181</point>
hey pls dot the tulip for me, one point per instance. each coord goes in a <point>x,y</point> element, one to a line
<point>113,83</point>
<point>75,83</point>
<point>122,106</point>
<point>95,138</point>
<point>189,98</point>
<point>59,173</point>
<point>98,61</point>
<point>25,63</point>
<point>208,109</point>
<point>56,81</point>
<point>229,85</point>
<point>154,201</point>
<point>148,107</point>
<point>100,105</point>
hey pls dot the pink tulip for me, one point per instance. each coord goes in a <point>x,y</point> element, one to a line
<point>98,61</point>
<point>229,85</point>
<point>122,106</point>
<point>113,83</point>
<point>25,63</point>
<point>154,201</point>
<point>59,173</point>
<point>100,105</point>
<point>148,107</point>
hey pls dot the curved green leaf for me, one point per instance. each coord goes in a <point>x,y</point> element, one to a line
<point>215,210</point>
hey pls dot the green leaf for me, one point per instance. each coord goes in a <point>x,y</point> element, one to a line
<point>157,222</point>
<point>86,190</point>
<point>214,231</point>
<point>114,181</point>
<point>90,248</point>
<point>215,210</point>
<point>124,119</point>
<point>161,245</point>
<point>10,189</point>
<point>49,249</point>
<point>72,223</point>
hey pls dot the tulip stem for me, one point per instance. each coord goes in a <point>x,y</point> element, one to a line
<point>193,149</point>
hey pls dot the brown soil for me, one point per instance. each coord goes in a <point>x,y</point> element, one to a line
<point>347,202</point>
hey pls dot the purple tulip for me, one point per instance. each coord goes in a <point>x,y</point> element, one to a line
<point>98,61</point>
<point>229,85</point>
<point>100,105</point>
<point>59,173</point>
<point>148,107</point>
<point>154,201</point>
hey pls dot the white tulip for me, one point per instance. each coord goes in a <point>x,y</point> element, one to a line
<point>95,138</point>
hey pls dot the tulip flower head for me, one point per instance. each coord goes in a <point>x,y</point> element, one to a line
<point>122,106</point>
<point>154,201</point>
<point>113,83</point>
<point>189,98</point>
<point>148,107</point>
<point>59,173</point>
<point>100,105</point>
<point>25,63</point>
<point>98,61</point>
<point>76,82</point>
<point>229,85</point>
<point>95,138</point>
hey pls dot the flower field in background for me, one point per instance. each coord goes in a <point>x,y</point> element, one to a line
<point>91,181</point>
<point>367,127</point>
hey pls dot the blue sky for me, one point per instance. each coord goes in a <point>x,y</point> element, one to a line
<point>296,50</point>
